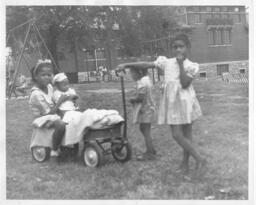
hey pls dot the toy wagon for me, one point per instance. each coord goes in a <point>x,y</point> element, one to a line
<point>95,141</point>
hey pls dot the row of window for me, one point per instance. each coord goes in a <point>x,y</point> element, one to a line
<point>216,9</point>
<point>219,36</point>
<point>200,18</point>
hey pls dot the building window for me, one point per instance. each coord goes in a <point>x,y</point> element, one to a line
<point>89,54</point>
<point>203,8</point>
<point>100,54</point>
<point>216,16</point>
<point>242,70</point>
<point>208,9</point>
<point>191,18</point>
<point>198,18</point>
<point>212,37</point>
<point>216,9</point>
<point>222,68</point>
<point>230,8</point>
<point>220,36</point>
<point>237,18</point>
<point>224,9</point>
<point>227,36</point>
<point>224,16</point>
<point>196,8</point>
<point>208,16</point>
<point>202,75</point>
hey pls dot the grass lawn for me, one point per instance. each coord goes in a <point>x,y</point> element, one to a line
<point>221,135</point>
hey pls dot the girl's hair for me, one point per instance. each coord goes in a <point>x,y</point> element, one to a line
<point>40,64</point>
<point>182,37</point>
<point>141,72</point>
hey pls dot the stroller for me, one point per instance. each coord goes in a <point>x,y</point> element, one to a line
<point>94,141</point>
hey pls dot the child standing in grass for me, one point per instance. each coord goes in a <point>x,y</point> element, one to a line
<point>179,106</point>
<point>143,109</point>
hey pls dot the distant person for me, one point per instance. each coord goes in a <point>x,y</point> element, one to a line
<point>10,70</point>
<point>179,106</point>
<point>10,65</point>
<point>104,73</point>
<point>20,85</point>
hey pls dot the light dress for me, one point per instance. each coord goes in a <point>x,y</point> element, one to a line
<point>143,112</point>
<point>41,104</point>
<point>177,105</point>
<point>68,107</point>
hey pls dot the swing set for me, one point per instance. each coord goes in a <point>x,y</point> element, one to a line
<point>29,50</point>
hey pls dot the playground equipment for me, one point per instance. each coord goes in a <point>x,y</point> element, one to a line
<point>33,39</point>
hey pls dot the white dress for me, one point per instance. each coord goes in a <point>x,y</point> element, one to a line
<point>177,105</point>
<point>67,105</point>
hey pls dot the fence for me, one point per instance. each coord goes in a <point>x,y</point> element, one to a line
<point>235,77</point>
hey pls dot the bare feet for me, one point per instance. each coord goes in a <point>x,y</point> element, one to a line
<point>184,168</point>
<point>201,165</point>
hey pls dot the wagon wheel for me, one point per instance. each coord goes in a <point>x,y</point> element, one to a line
<point>121,151</point>
<point>40,154</point>
<point>92,155</point>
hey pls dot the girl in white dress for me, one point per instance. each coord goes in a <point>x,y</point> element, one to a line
<point>179,106</point>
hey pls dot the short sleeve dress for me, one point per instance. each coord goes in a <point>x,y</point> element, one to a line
<point>67,105</point>
<point>144,112</point>
<point>41,104</point>
<point>177,105</point>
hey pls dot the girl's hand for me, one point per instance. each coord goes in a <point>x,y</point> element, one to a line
<point>63,98</point>
<point>120,67</point>
<point>132,100</point>
<point>180,58</point>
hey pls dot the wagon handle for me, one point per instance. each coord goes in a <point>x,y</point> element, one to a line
<point>124,106</point>
<point>120,73</point>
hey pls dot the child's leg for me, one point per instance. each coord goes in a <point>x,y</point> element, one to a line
<point>187,132</point>
<point>186,144</point>
<point>58,134</point>
<point>145,129</point>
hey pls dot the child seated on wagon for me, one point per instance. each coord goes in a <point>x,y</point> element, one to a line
<point>61,82</point>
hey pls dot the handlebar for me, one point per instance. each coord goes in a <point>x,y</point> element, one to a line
<point>120,73</point>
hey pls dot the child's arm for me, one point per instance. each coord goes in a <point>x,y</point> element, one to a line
<point>185,80</point>
<point>62,99</point>
<point>73,97</point>
<point>138,99</point>
<point>136,65</point>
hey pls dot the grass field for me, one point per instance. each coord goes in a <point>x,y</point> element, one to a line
<point>221,135</point>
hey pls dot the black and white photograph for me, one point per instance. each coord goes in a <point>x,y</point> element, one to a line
<point>128,101</point>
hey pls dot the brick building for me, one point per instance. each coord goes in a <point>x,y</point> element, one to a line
<point>219,37</point>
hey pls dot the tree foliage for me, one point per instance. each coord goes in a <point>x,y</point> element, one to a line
<point>125,26</point>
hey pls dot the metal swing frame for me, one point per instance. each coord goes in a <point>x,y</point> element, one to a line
<point>31,24</point>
